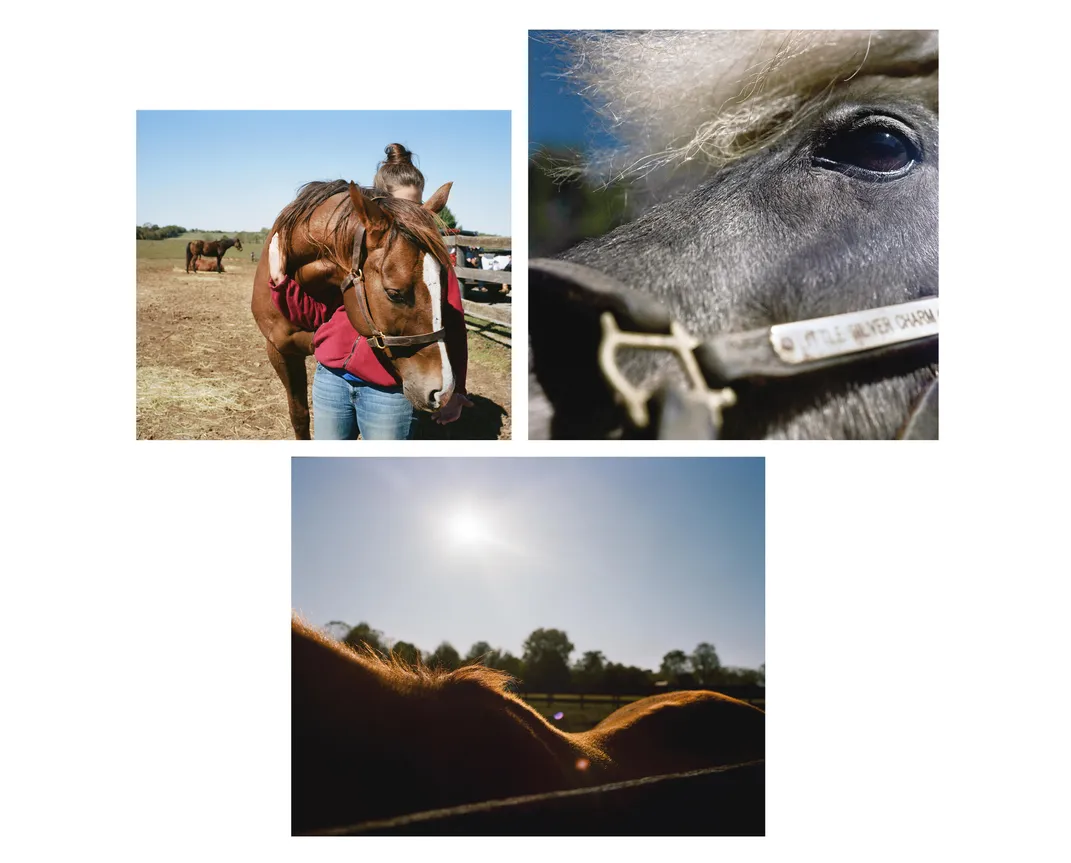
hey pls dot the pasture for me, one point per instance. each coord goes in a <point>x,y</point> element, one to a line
<point>202,372</point>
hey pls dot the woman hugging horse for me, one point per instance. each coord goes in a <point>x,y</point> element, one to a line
<point>362,280</point>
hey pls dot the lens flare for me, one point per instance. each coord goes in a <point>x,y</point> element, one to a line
<point>582,764</point>
<point>559,715</point>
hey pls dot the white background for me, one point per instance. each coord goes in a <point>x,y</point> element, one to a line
<point>915,592</point>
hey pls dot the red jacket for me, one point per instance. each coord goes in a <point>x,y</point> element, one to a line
<point>339,346</point>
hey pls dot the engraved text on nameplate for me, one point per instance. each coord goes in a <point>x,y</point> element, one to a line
<point>817,339</point>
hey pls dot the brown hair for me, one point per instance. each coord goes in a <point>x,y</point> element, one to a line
<point>397,170</point>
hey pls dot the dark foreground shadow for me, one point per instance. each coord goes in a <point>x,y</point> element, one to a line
<point>721,801</point>
<point>482,421</point>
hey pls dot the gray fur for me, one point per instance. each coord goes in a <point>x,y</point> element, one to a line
<point>772,237</point>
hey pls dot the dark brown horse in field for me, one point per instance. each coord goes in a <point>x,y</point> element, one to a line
<point>195,249</point>
<point>375,739</point>
<point>335,236</point>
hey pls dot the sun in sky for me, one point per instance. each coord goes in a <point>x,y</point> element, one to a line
<point>475,530</point>
<point>465,527</point>
<point>632,557</point>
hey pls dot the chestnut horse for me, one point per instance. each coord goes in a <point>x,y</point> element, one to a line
<point>399,268</point>
<point>374,739</point>
<point>210,249</point>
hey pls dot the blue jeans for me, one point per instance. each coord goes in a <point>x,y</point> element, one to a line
<point>342,408</point>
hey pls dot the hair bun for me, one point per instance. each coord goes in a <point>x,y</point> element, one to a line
<point>397,153</point>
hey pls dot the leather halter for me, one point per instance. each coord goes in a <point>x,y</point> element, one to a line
<point>628,318</point>
<point>355,279</point>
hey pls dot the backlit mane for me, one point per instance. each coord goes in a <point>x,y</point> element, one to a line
<point>375,737</point>
<point>410,220</point>
<point>712,97</point>
<point>402,675</point>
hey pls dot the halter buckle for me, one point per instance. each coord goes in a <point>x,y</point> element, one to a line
<point>679,342</point>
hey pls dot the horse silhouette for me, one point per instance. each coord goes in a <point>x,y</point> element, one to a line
<point>375,738</point>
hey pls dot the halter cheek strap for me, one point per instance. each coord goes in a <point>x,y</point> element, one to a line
<point>355,279</point>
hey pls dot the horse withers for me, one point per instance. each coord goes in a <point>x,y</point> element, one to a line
<point>790,177</point>
<point>336,236</point>
<point>196,249</point>
<point>375,739</point>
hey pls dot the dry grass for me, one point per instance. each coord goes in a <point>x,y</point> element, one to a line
<point>202,372</point>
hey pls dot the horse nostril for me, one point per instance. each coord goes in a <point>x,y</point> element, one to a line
<point>433,399</point>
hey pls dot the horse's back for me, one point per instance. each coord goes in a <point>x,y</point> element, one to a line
<point>681,731</point>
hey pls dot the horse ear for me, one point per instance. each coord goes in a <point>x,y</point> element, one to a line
<point>437,201</point>
<point>368,211</point>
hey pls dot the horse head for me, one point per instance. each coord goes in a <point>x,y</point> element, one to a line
<point>238,244</point>
<point>399,292</point>
<point>800,181</point>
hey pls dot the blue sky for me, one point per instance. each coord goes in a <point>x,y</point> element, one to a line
<point>556,116</point>
<point>634,557</point>
<point>235,170</point>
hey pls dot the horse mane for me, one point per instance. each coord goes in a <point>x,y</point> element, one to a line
<point>404,676</point>
<point>712,97</point>
<point>407,219</point>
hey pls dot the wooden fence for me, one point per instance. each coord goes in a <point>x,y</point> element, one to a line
<point>745,692</point>
<point>489,244</point>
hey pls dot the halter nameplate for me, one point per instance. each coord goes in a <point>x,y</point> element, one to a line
<point>854,332</point>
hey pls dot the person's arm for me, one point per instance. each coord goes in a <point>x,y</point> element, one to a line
<point>296,304</point>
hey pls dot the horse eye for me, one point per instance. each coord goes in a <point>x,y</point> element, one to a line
<point>396,297</point>
<point>874,150</point>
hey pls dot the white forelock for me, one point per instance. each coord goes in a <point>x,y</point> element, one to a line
<point>671,97</point>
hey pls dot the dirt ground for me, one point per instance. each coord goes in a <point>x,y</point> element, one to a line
<point>202,373</point>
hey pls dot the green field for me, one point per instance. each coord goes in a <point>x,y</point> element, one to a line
<point>574,717</point>
<point>175,247</point>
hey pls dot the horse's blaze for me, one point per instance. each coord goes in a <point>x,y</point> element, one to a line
<point>433,283</point>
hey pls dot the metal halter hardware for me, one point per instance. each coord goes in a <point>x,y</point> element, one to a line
<point>355,279</point>
<point>632,320</point>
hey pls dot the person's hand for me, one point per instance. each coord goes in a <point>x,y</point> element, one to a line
<point>452,410</point>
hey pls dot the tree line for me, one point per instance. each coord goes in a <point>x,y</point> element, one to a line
<point>149,231</point>
<point>544,664</point>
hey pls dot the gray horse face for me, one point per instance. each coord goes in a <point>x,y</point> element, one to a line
<point>839,214</point>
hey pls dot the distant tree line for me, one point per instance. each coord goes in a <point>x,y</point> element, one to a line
<point>544,664</point>
<point>155,232</point>
<point>564,208</point>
